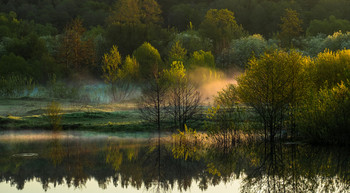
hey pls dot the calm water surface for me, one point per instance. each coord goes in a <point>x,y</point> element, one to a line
<point>136,162</point>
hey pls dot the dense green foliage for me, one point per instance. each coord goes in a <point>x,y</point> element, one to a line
<point>149,59</point>
<point>308,98</point>
<point>69,38</point>
<point>327,26</point>
<point>289,49</point>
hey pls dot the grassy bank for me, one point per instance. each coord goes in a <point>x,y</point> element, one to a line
<point>29,113</point>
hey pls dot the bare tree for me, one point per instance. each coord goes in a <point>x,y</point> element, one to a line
<point>170,95</point>
<point>183,98</point>
<point>152,102</point>
<point>183,101</point>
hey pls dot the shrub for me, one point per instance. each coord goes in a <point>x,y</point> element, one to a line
<point>241,50</point>
<point>54,115</point>
<point>59,89</point>
<point>149,60</point>
<point>16,86</point>
<point>201,59</point>
<point>316,44</point>
<point>325,117</point>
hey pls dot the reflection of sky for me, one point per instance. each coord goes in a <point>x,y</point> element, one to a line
<point>92,187</point>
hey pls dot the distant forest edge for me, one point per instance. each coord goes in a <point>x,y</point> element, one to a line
<point>37,40</point>
<point>293,53</point>
<point>34,33</point>
<point>256,16</point>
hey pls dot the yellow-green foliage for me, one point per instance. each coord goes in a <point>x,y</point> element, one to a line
<point>202,59</point>
<point>149,60</point>
<point>272,83</point>
<point>177,52</point>
<point>54,114</point>
<point>325,117</point>
<point>125,11</point>
<point>185,144</point>
<point>330,68</point>
<point>111,65</point>
<point>275,79</point>
<point>130,69</point>
<point>176,74</point>
<point>136,12</point>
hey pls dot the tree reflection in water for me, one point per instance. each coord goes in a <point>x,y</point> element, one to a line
<point>162,166</point>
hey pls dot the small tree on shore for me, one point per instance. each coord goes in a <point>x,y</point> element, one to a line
<point>111,68</point>
<point>152,103</point>
<point>118,74</point>
<point>271,85</point>
<point>170,95</point>
<point>183,97</point>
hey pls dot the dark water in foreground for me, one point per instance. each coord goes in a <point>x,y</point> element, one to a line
<point>91,162</point>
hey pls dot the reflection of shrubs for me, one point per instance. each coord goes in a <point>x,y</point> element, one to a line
<point>16,85</point>
<point>54,115</point>
<point>185,144</point>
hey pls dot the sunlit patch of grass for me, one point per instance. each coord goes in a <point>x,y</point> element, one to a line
<point>14,117</point>
<point>33,116</point>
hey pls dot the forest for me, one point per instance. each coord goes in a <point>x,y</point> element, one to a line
<point>275,69</point>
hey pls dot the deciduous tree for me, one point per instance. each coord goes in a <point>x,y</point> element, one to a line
<point>221,27</point>
<point>177,53</point>
<point>151,12</point>
<point>183,97</point>
<point>290,27</point>
<point>125,11</point>
<point>152,104</point>
<point>75,53</point>
<point>149,60</point>
<point>271,84</point>
<point>119,75</point>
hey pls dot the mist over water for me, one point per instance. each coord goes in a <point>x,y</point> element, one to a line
<point>41,135</point>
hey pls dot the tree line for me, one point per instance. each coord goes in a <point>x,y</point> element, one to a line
<point>75,48</point>
<point>296,73</point>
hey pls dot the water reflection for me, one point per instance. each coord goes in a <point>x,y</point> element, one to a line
<point>173,166</point>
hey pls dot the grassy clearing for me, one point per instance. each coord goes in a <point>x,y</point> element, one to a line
<point>31,113</point>
<point>27,113</point>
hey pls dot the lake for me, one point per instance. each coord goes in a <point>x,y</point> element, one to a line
<point>41,161</point>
